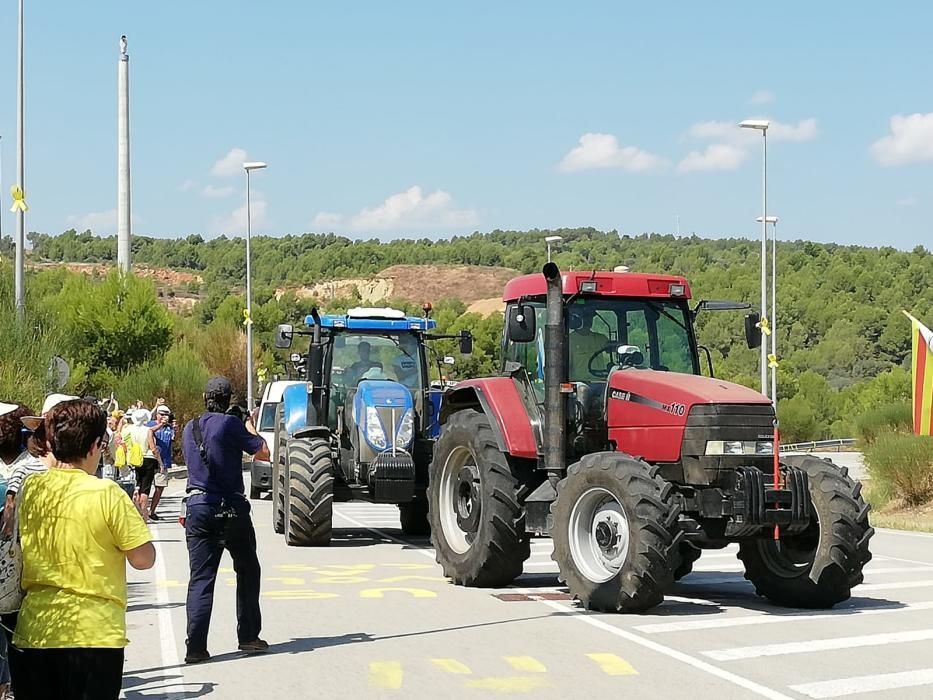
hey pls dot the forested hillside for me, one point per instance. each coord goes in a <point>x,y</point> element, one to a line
<point>843,340</point>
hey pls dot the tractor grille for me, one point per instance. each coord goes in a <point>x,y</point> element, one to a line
<point>726,422</point>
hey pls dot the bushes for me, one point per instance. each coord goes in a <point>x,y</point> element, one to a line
<point>902,464</point>
<point>179,377</point>
<point>892,417</point>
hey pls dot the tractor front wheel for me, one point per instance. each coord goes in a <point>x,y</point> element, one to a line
<point>818,567</point>
<point>477,522</point>
<point>309,492</point>
<point>615,533</point>
<point>278,473</point>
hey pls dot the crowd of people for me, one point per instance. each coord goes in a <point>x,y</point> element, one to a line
<point>76,493</point>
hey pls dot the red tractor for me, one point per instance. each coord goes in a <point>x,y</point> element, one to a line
<point>602,433</point>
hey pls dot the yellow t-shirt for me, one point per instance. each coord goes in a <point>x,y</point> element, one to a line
<point>75,529</point>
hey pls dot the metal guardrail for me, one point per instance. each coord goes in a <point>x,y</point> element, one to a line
<point>819,445</point>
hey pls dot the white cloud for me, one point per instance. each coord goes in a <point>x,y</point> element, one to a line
<point>604,151</point>
<point>99,222</point>
<point>910,140</point>
<point>718,156</point>
<point>906,201</point>
<point>187,185</point>
<point>326,219</point>
<point>730,132</point>
<point>212,192</point>
<point>761,97</point>
<point>413,209</point>
<point>231,164</point>
<point>235,222</point>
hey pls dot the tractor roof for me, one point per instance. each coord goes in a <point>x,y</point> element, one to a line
<point>608,284</point>
<point>371,319</point>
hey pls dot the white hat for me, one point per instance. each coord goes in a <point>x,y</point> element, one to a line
<point>141,416</point>
<point>163,409</point>
<point>51,401</point>
<point>7,408</point>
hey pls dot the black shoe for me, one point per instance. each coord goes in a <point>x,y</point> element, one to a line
<point>197,657</point>
<point>153,516</point>
<point>257,646</point>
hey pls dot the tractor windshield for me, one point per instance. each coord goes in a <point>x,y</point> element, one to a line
<point>359,356</point>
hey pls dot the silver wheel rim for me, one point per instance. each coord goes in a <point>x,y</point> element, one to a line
<point>598,533</point>
<point>452,498</point>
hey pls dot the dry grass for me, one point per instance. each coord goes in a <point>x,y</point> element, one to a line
<point>890,512</point>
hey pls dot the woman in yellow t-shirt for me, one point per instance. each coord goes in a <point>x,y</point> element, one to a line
<point>77,534</point>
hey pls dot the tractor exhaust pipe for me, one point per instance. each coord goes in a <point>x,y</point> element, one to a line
<point>316,362</point>
<point>555,424</point>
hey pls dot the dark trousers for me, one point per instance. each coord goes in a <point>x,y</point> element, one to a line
<point>69,674</point>
<point>208,532</point>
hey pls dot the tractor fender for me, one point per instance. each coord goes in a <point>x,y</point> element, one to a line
<point>499,399</point>
<point>296,408</point>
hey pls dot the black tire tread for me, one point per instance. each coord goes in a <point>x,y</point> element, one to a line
<point>310,492</point>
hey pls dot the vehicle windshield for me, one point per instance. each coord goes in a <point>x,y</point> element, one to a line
<point>659,329</point>
<point>359,356</point>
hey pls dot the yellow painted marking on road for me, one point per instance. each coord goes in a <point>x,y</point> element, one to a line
<point>231,582</point>
<point>298,594</point>
<point>413,592</point>
<point>296,567</point>
<point>225,570</point>
<point>526,664</point>
<point>341,579</point>
<point>171,583</point>
<point>452,666</point>
<point>351,567</point>
<point>509,684</point>
<point>287,580</point>
<point>613,665</point>
<point>386,675</point>
<point>400,579</point>
<point>411,567</point>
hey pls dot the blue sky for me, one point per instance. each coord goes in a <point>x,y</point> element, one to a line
<point>430,118</point>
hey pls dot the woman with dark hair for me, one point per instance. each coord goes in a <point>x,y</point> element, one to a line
<point>77,534</point>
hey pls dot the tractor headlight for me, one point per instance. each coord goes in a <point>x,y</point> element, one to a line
<point>738,447</point>
<point>406,430</point>
<point>375,433</point>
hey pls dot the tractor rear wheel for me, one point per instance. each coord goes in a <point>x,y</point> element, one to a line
<point>414,518</point>
<point>309,492</point>
<point>278,473</point>
<point>818,567</point>
<point>615,533</point>
<point>477,523</point>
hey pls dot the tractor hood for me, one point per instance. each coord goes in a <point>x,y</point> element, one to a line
<point>676,393</point>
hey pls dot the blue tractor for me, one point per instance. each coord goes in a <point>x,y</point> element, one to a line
<point>363,425</point>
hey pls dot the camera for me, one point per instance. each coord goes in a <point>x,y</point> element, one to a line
<point>238,411</point>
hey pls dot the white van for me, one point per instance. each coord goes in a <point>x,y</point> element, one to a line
<point>260,470</point>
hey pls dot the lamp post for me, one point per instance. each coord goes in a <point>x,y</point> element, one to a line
<point>249,167</point>
<point>762,126</point>
<point>555,240</point>
<point>773,220</point>
<point>19,264</point>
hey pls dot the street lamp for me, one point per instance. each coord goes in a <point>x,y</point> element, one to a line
<point>249,167</point>
<point>773,220</point>
<point>762,126</point>
<point>555,240</point>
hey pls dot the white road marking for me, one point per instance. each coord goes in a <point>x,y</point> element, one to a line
<point>173,688</point>
<point>906,561</point>
<point>925,583</point>
<point>585,618</point>
<point>766,619</point>
<point>865,684</point>
<point>815,645</point>
<point>903,533</point>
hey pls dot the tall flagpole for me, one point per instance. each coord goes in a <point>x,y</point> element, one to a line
<point>19,291</point>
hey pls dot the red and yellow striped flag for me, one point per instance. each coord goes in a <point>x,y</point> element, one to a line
<point>922,376</point>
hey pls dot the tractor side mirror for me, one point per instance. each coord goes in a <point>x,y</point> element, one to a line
<point>283,335</point>
<point>752,330</point>
<point>521,323</point>
<point>466,343</point>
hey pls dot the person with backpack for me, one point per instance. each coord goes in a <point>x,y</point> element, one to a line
<point>217,517</point>
<point>142,454</point>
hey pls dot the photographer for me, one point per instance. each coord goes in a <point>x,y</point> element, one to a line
<point>218,518</point>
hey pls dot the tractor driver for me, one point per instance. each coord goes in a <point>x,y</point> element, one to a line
<point>356,371</point>
<point>406,372</point>
<point>584,343</point>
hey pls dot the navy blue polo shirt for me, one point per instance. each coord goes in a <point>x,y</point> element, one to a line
<point>226,439</point>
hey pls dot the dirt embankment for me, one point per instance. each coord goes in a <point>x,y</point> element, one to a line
<point>160,275</point>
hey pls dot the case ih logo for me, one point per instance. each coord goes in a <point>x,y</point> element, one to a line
<point>676,409</point>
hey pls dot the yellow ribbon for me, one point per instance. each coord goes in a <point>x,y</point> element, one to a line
<point>773,361</point>
<point>261,374</point>
<point>19,199</point>
<point>247,321</point>
<point>763,325</point>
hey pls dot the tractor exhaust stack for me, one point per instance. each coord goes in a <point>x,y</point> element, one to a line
<point>555,424</point>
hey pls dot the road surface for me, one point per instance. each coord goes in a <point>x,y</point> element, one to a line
<point>372,617</point>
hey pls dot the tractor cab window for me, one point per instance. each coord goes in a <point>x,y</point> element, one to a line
<point>656,331</point>
<point>531,355</point>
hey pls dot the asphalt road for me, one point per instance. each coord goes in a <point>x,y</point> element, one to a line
<point>372,617</point>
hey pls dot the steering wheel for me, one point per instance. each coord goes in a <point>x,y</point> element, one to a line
<point>629,360</point>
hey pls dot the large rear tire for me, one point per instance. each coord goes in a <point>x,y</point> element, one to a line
<point>309,497</point>
<point>819,567</point>
<point>278,473</point>
<point>477,523</point>
<point>414,518</point>
<point>615,533</point>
